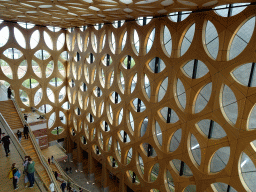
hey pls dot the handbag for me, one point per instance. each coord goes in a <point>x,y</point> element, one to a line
<point>10,175</point>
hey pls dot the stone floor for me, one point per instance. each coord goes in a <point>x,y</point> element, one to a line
<point>5,166</point>
<point>80,177</point>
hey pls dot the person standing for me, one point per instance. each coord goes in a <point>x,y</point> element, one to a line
<point>69,186</point>
<point>49,161</point>
<point>9,92</point>
<point>56,175</point>
<point>51,187</point>
<point>31,172</point>
<point>12,176</point>
<point>52,159</point>
<point>19,135</point>
<point>70,170</point>
<point>80,190</point>
<point>63,186</point>
<point>6,141</point>
<point>25,165</point>
<point>25,117</point>
<point>25,131</point>
<point>67,170</point>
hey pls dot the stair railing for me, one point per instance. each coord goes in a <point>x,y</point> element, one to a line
<point>38,150</point>
<point>19,149</point>
<point>67,178</point>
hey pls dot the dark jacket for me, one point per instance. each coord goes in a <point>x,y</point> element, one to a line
<point>25,130</point>
<point>19,134</point>
<point>63,185</point>
<point>6,140</point>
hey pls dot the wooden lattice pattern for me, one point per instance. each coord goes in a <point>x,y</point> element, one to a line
<point>75,13</point>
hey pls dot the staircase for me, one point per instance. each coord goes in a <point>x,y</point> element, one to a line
<point>11,116</point>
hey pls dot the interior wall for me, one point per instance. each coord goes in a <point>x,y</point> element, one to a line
<point>209,128</point>
<point>33,62</point>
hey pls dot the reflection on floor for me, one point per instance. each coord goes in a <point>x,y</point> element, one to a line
<point>79,177</point>
<point>5,166</point>
<point>54,151</point>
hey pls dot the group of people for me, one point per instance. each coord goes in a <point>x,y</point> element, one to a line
<point>49,160</point>
<point>29,171</point>
<point>67,185</point>
<point>68,169</point>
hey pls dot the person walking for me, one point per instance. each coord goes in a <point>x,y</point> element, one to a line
<point>25,117</point>
<point>69,186</point>
<point>52,159</point>
<point>63,186</point>
<point>51,187</point>
<point>80,190</point>
<point>67,170</point>
<point>56,175</point>
<point>31,172</point>
<point>6,141</point>
<point>25,131</point>
<point>9,92</point>
<point>49,160</point>
<point>70,170</point>
<point>25,165</point>
<point>19,135</point>
<point>14,174</point>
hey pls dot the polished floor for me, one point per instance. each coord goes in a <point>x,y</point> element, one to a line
<point>5,166</point>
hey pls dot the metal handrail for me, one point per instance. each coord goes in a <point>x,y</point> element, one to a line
<point>67,178</point>
<point>14,138</point>
<point>38,150</point>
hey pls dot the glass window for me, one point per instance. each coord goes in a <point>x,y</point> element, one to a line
<point>162,90</point>
<point>211,39</point>
<point>4,36</point>
<point>6,69</point>
<point>12,53</point>
<point>190,188</point>
<point>229,103</point>
<point>211,129</point>
<point>182,167</point>
<point>129,156</point>
<point>230,9</point>
<point>203,97</point>
<point>60,41</point>
<point>113,43</point>
<point>195,149</point>
<point>147,86</point>
<point>138,105</point>
<point>242,38</point>
<point>19,38</point>
<point>48,40</point>
<point>49,69</point>
<point>22,69</point>
<point>134,83</point>
<point>170,181</point>
<point>169,115</point>
<point>154,172</point>
<point>136,41</point>
<point>42,54</point>
<point>151,40</point>
<point>223,187</point>
<point>175,141</point>
<point>124,40</point>
<point>167,40</point>
<point>181,93</point>
<point>220,159</point>
<point>50,95</point>
<point>195,69</point>
<point>143,127</point>
<point>187,40</point>
<point>51,120</point>
<point>156,65</point>
<point>158,133</point>
<point>122,82</point>
<point>24,97</point>
<point>179,16</point>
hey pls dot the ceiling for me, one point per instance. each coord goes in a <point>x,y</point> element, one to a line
<point>75,13</point>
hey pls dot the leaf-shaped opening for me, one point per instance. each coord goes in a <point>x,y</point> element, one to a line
<point>4,36</point>
<point>220,159</point>
<point>211,129</point>
<point>60,41</point>
<point>211,39</point>
<point>50,95</point>
<point>30,83</point>
<point>149,150</point>
<point>6,69</point>
<point>115,97</point>
<point>144,126</point>
<point>113,43</point>
<point>229,104</point>
<point>187,39</point>
<point>175,141</point>
<point>122,82</point>
<point>129,156</point>
<point>181,94</point>
<point>154,172</point>
<point>158,133</point>
<point>136,41</point>
<point>13,53</point>
<point>134,83</point>
<point>167,40</point>
<point>38,96</point>
<point>195,69</point>
<point>62,93</point>
<point>162,89</point>
<point>146,86</point>
<point>42,54</point>
<point>51,120</point>
<point>169,115</point>
<point>195,149</point>
<point>230,9</point>
<point>55,82</point>
<point>150,40</point>
<point>107,60</point>
<point>179,16</point>
<point>222,187</point>
<point>128,62</point>
<point>203,97</point>
<point>138,105</point>
<point>34,40</point>
<point>24,97</point>
<point>46,108</point>
<point>19,38</point>
<point>66,105</point>
<point>124,40</point>
<point>242,38</point>
<point>170,181</point>
<point>48,40</point>
<point>131,121</point>
<point>22,69</point>
<point>181,167</point>
<point>156,65</point>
